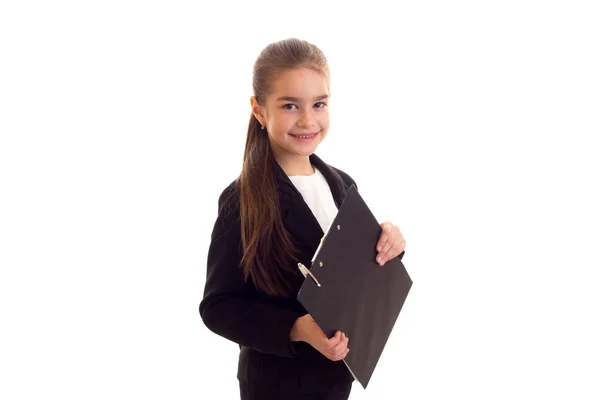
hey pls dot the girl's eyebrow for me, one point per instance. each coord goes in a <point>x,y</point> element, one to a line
<point>297,99</point>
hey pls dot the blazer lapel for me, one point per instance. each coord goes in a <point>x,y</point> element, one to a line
<point>296,215</point>
<point>339,190</point>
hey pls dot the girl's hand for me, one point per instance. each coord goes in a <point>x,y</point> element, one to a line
<point>306,329</point>
<point>390,244</point>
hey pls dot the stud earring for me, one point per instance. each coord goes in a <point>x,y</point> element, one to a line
<point>262,127</point>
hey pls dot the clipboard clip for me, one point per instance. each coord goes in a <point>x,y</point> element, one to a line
<point>305,271</point>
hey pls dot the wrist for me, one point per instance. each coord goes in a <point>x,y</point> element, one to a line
<point>297,333</point>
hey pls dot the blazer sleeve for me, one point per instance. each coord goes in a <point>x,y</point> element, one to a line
<point>230,307</point>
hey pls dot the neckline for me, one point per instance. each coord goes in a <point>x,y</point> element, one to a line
<point>316,171</point>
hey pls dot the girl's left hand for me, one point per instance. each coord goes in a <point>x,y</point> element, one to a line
<point>391,243</point>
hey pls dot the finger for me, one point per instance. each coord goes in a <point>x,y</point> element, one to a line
<point>340,348</point>
<point>398,247</point>
<point>395,247</point>
<point>394,250</point>
<point>385,253</point>
<point>393,233</point>
<point>384,237</point>
<point>401,246</point>
<point>380,258</point>
<point>388,256</point>
<point>342,356</point>
<point>346,353</point>
<point>335,339</point>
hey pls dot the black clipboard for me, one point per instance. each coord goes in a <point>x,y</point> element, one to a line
<point>346,290</point>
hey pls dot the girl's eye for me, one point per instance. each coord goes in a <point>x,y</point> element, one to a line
<point>291,106</point>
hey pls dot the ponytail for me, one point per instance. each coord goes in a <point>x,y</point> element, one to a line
<point>268,252</point>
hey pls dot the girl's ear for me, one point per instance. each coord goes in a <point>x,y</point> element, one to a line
<point>257,111</point>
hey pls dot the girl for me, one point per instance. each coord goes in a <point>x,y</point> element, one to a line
<point>269,219</point>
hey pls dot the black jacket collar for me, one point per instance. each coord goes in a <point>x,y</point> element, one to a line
<point>297,217</point>
<point>286,188</point>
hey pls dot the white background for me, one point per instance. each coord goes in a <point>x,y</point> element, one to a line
<point>472,125</point>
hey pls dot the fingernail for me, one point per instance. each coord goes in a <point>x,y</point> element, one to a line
<point>378,248</point>
<point>378,259</point>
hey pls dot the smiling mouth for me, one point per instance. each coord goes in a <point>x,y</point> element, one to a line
<point>306,136</point>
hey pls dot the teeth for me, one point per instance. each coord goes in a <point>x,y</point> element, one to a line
<point>304,136</point>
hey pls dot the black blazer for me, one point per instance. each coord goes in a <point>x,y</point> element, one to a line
<point>259,324</point>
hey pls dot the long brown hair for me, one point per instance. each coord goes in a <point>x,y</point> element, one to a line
<point>268,252</point>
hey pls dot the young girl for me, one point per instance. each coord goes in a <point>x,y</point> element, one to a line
<point>271,218</point>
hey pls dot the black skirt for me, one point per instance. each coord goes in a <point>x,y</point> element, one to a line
<point>254,392</point>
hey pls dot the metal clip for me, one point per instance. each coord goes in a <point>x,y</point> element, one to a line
<point>318,248</point>
<point>305,271</point>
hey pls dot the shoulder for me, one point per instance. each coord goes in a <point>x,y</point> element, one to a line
<point>229,199</point>
<point>336,173</point>
<point>345,177</point>
<point>228,211</point>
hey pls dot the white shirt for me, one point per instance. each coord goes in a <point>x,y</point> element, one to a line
<point>317,195</point>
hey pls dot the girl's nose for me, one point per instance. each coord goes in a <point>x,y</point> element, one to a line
<point>306,120</point>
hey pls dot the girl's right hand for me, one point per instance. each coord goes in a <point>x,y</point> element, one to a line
<point>306,329</point>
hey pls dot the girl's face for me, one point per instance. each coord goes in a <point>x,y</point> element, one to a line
<point>295,114</point>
